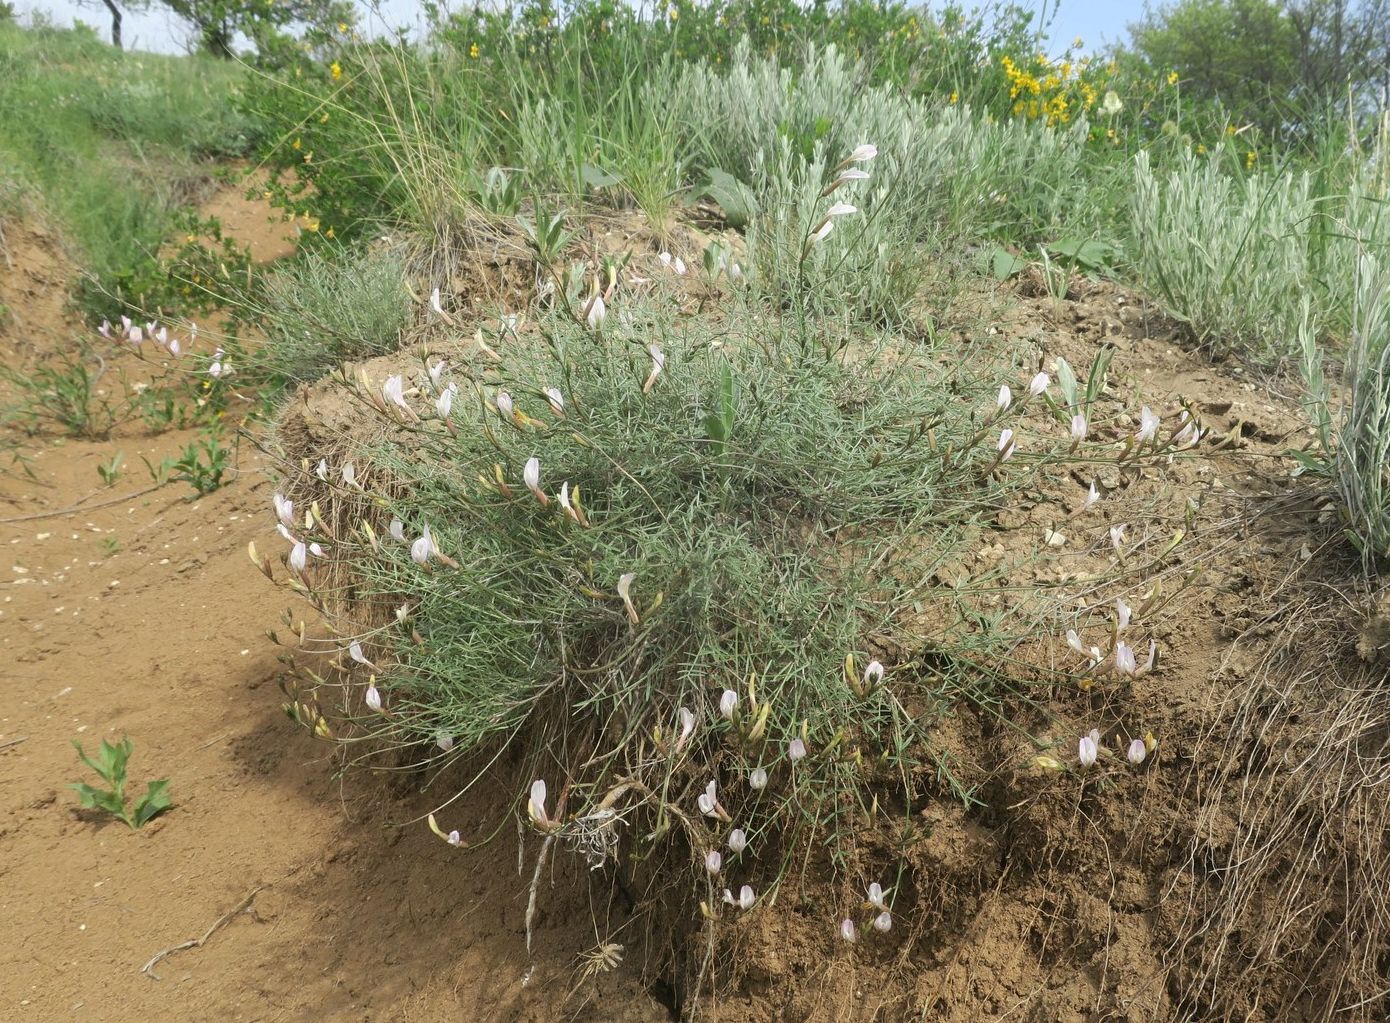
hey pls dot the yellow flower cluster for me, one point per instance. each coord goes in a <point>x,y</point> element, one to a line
<point>1050,90</point>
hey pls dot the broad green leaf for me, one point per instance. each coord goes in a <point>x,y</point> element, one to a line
<point>1002,264</point>
<point>98,799</point>
<point>154,802</point>
<point>733,197</point>
<point>597,177</point>
<point>1066,381</point>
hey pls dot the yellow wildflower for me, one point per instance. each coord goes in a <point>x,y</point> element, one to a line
<point>336,70</point>
<point>473,50</point>
<point>1172,78</point>
<point>295,145</point>
<point>955,97</point>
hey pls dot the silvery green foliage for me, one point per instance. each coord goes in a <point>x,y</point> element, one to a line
<point>322,311</point>
<point>1363,437</point>
<point>1238,258</point>
<point>1221,253</point>
<point>944,175</point>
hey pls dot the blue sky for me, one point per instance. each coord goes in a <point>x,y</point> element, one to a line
<point>1096,21</point>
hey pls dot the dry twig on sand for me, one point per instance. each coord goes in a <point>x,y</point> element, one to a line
<point>222,921</point>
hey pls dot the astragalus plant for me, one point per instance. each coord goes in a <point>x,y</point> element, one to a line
<point>663,554</point>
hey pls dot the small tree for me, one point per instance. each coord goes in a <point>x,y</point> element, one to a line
<point>117,14</point>
<point>217,23</point>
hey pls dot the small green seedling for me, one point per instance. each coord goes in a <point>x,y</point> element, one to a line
<point>110,764</point>
<point>111,471</point>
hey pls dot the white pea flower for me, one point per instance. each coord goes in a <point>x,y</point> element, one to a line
<point>1005,399</point>
<point>1117,536</point>
<point>841,209</point>
<point>284,509</point>
<point>1079,426</point>
<point>444,741</point>
<point>435,304</point>
<point>625,592</point>
<point>373,698</point>
<point>436,371</point>
<point>822,232</point>
<point>531,476</point>
<point>1086,751</point>
<point>1111,104</point>
<point>321,470</point>
<point>444,404</point>
<point>658,364</point>
<point>393,390</point>
<point>728,704</point>
<point>738,841</point>
<point>571,509</point>
<point>396,530</point>
<point>1092,496</point>
<point>873,675</point>
<point>847,930</point>
<point>316,550</point>
<point>796,750</point>
<point>355,652</point>
<point>1005,444</point>
<point>862,153</point>
<point>1122,614</point>
<point>596,313</point>
<point>876,898</point>
<point>556,400</point>
<point>708,801</point>
<point>504,403</point>
<point>1148,425</point>
<point>423,549</point>
<point>757,780</point>
<point>535,804</point>
<point>299,557</point>
<point>1188,434</point>
<point>1137,752</point>
<point>746,898</point>
<point>136,335</point>
<point>1124,659</point>
<point>713,861</point>
<point>687,720</point>
<point>350,475</point>
<point>105,329</point>
<point>883,923</point>
<point>1039,384</point>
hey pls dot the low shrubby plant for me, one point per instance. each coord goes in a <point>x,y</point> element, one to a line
<point>328,308</point>
<point>1354,435</point>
